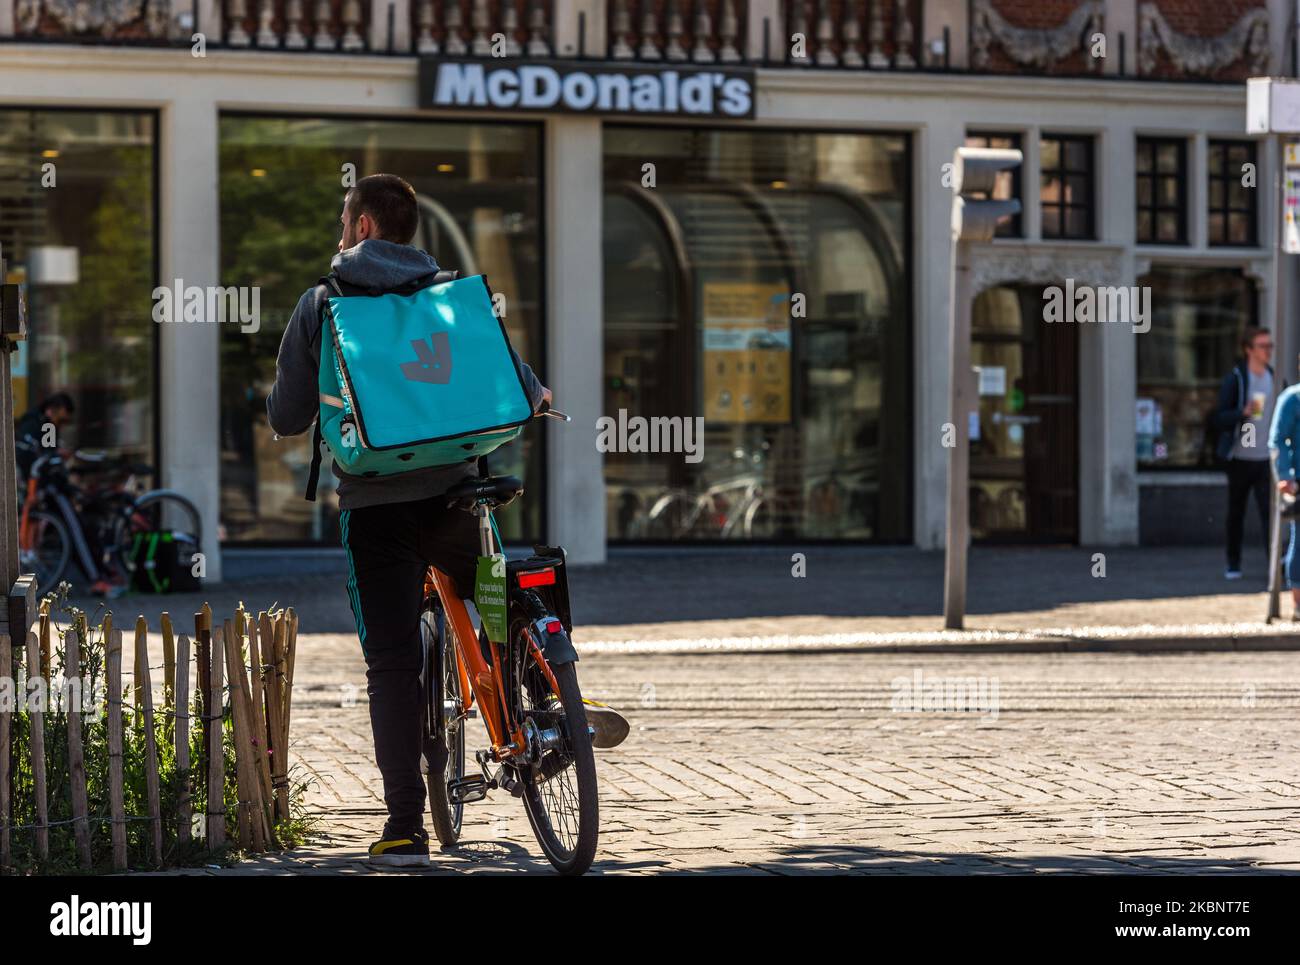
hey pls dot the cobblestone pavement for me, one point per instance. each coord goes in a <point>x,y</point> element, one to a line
<point>813,763</point>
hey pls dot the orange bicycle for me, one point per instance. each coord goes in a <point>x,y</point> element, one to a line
<point>521,673</point>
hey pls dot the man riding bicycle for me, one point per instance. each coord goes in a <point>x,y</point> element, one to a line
<point>393,527</point>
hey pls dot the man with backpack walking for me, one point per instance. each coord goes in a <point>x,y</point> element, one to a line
<point>393,526</point>
<point>1243,415</point>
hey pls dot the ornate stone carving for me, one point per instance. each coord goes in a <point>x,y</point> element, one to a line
<point>1202,56</point>
<point>95,16</point>
<point>1033,48</point>
<point>998,264</point>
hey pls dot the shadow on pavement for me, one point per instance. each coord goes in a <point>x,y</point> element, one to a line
<point>649,586</point>
<point>845,859</point>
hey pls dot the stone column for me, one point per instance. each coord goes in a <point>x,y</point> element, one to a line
<point>1108,491</point>
<point>189,354</point>
<point>575,335</point>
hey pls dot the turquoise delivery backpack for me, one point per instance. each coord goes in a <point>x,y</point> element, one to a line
<point>414,378</point>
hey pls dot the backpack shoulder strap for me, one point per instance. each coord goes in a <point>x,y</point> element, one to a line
<point>313,474</point>
<point>332,281</point>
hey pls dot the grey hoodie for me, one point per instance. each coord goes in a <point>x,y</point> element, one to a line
<point>293,403</point>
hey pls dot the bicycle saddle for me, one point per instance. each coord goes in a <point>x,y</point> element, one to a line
<point>500,490</point>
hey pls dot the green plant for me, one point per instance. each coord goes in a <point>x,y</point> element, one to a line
<point>73,630</point>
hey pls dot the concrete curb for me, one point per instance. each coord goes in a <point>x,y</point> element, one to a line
<point>1203,638</point>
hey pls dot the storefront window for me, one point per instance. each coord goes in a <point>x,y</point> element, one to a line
<point>757,281</point>
<point>1198,315</point>
<point>77,225</point>
<point>281,195</point>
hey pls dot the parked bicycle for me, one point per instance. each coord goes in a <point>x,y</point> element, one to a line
<point>101,525</point>
<point>527,688</point>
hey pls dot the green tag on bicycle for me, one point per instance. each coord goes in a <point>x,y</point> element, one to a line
<point>490,595</point>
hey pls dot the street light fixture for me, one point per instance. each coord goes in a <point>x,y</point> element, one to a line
<point>975,217</point>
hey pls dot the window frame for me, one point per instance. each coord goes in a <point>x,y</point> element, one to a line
<point>1255,316</point>
<point>1225,143</point>
<point>1061,172</point>
<point>910,196</point>
<point>155,433</point>
<point>1155,208</point>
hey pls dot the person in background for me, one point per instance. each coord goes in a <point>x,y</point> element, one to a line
<point>1283,439</point>
<point>1244,413</point>
<point>30,434</point>
<point>32,440</point>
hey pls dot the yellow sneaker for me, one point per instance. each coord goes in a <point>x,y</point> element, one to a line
<point>401,850</point>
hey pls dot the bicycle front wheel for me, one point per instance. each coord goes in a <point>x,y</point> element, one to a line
<point>559,775</point>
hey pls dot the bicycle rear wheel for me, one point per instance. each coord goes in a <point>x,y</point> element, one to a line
<point>444,754</point>
<point>50,551</point>
<point>559,776</point>
<point>154,511</point>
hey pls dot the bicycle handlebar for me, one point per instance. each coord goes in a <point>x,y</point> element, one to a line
<point>546,410</point>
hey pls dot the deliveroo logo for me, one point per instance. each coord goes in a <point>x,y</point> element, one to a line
<point>432,360</point>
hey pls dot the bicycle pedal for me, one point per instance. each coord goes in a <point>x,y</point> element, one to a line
<point>508,783</point>
<point>466,790</point>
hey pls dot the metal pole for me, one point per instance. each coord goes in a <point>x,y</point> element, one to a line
<point>1274,546</point>
<point>1281,337</point>
<point>19,590</point>
<point>961,391</point>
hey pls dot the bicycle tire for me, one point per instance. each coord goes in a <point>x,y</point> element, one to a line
<point>444,756</point>
<point>151,512</point>
<point>48,577</point>
<point>575,856</point>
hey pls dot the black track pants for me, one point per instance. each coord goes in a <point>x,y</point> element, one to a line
<point>389,548</point>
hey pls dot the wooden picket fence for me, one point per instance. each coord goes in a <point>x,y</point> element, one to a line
<point>233,682</point>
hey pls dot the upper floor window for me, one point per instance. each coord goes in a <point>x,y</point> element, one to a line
<point>1161,191</point>
<point>1066,192</point>
<point>1233,214</point>
<point>1008,184</point>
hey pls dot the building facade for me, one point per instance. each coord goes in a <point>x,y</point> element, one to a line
<point>757,244</point>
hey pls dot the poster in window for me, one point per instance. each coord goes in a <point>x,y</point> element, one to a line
<point>746,352</point>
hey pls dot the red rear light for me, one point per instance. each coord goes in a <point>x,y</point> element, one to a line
<point>554,626</point>
<point>540,578</point>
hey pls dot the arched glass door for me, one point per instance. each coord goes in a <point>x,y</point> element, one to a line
<point>773,309</point>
